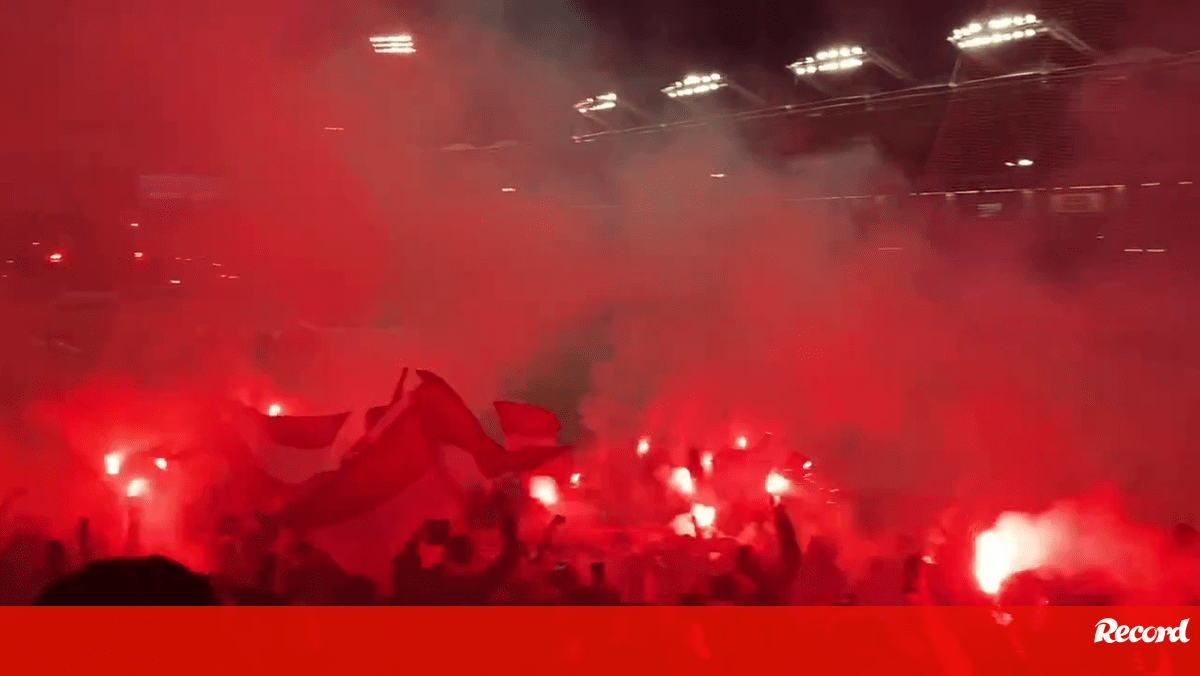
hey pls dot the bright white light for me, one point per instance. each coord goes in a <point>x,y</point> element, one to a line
<point>393,44</point>
<point>161,463</point>
<point>274,410</point>
<point>544,489</point>
<point>693,85</point>
<point>807,464</point>
<point>716,175</point>
<point>831,60</point>
<point>997,31</point>
<point>777,484</point>
<point>704,515</point>
<point>133,225</point>
<point>1024,163</point>
<point>138,254</point>
<point>176,281</point>
<point>706,462</point>
<point>597,103</point>
<point>112,464</point>
<point>56,258</point>
<point>742,442</point>
<point>508,189</point>
<point>643,446</point>
<point>137,488</point>
<point>682,481</point>
<point>575,479</point>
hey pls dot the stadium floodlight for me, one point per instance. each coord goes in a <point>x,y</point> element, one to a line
<point>997,31</point>
<point>694,85</point>
<point>831,60</point>
<point>393,44</point>
<point>597,103</point>
<point>844,59</point>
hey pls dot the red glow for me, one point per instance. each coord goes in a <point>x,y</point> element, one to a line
<point>742,442</point>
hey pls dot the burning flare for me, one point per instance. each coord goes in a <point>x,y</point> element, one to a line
<point>544,490</point>
<point>777,484</point>
<point>682,481</point>
<point>112,464</point>
<point>1014,545</point>
<point>643,446</point>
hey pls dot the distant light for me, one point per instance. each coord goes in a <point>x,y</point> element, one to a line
<point>335,129</point>
<point>176,281</point>
<point>112,464</point>
<point>138,254</point>
<point>35,243</point>
<point>137,488</point>
<point>161,463</point>
<point>706,462</point>
<point>1024,163</point>
<point>133,225</point>
<point>693,85</point>
<point>997,31</point>
<point>393,44</point>
<point>597,103</point>
<point>508,189</point>
<point>807,464</point>
<point>575,479</point>
<point>717,175</point>
<point>274,410</point>
<point>56,258</point>
<point>742,442</point>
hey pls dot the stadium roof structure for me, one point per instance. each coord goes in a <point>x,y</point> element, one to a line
<point>953,136</point>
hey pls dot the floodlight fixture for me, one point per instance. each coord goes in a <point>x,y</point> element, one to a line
<point>393,44</point>
<point>831,60</point>
<point>997,31</point>
<point>596,104</point>
<point>694,85</point>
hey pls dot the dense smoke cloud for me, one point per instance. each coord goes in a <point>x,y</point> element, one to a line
<point>916,377</point>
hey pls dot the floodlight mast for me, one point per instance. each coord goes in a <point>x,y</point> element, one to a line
<point>393,44</point>
<point>695,85</point>
<point>843,59</point>
<point>595,104</point>
<point>1002,30</point>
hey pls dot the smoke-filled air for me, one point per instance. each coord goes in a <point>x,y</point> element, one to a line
<point>796,351</point>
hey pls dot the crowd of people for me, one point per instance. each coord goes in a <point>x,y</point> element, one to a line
<point>448,564</point>
<point>440,565</point>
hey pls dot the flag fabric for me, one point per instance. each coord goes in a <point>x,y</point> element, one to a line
<point>292,449</point>
<point>402,443</point>
<point>527,420</point>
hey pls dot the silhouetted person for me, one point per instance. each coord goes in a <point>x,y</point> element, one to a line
<point>598,593</point>
<point>772,587</point>
<point>56,560</point>
<point>150,581</point>
<point>83,540</point>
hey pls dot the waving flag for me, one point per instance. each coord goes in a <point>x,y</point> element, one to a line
<point>292,449</point>
<point>400,446</point>
<point>527,421</point>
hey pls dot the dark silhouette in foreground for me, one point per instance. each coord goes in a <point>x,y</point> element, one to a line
<point>150,581</point>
